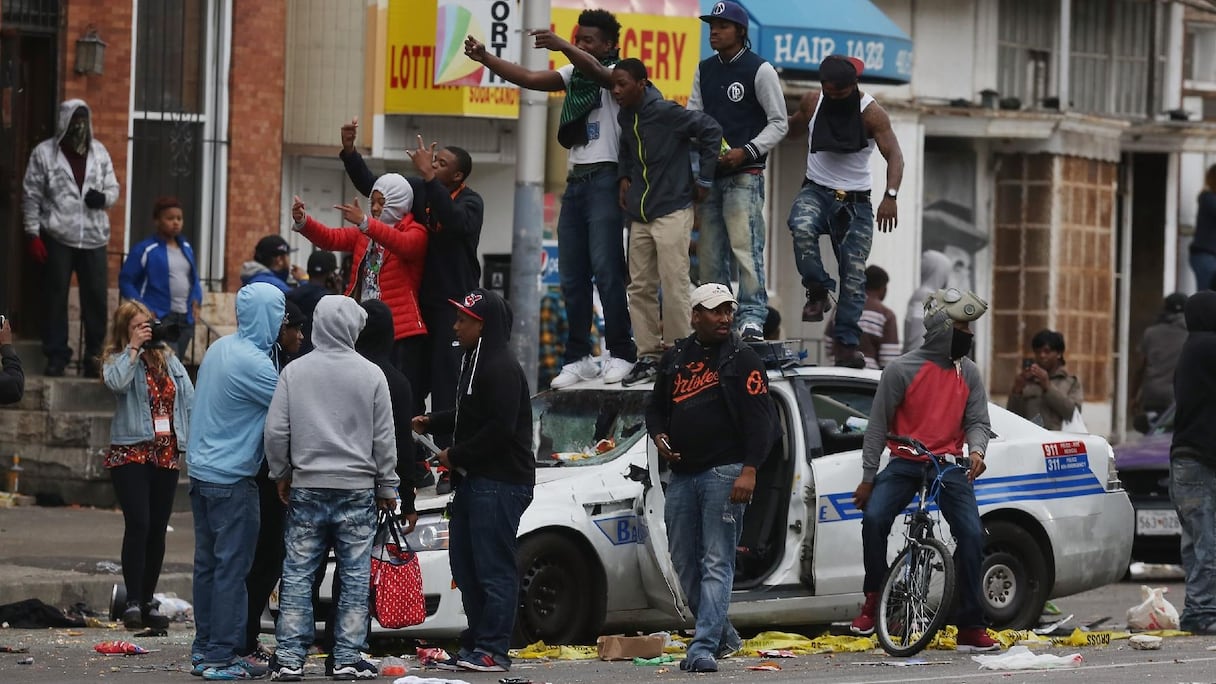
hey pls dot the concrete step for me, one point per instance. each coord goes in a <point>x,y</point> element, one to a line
<point>56,429</point>
<point>78,394</point>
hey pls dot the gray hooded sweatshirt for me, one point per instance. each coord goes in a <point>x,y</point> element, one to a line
<point>935,269</point>
<point>929,397</point>
<point>330,424</point>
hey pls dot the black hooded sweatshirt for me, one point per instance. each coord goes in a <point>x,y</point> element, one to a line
<point>375,343</point>
<point>491,425</point>
<point>1194,378</point>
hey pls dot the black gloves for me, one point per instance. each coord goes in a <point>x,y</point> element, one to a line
<point>94,199</point>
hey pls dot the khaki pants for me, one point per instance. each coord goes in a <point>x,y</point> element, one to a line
<point>658,255</point>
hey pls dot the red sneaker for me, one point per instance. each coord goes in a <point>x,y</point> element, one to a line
<point>863,624</point>
<point>972,639</point>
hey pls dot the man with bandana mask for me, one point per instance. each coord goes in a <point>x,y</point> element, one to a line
<point>935,395</point>
<point>69,184</point>
<point>845,126</point>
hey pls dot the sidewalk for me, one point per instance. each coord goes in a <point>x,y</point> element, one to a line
<point>53,554</point>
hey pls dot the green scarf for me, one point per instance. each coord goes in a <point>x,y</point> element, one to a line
<point>582,96</point>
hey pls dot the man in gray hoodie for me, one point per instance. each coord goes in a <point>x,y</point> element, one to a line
<point>934,395</point>
<point>334,459</point>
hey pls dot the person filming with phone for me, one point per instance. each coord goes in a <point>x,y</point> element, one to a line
<point>1044,391</point>
<point>12,378</point>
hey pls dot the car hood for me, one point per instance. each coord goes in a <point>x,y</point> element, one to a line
<point>1150,453</point>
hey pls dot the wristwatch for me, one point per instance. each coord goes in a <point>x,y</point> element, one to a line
<point>892,193</point>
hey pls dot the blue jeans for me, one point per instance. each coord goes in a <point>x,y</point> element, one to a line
<point>317,519</point>
<point>482,533</point>
<point>226,521</point>
<point>1193,491</point>
<point>590,237</point>
<point>1203,265</point>
<point>850,225</point>
<point>732,224</point>
<point>703,529</point>
<point>894,489</point>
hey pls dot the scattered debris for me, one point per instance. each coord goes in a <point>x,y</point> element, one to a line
<point>120,648</point>
<point>26,661</point>
<point>1021,658</point>
<point>1145,642</point>
<point>14,649</point>
<point>109,566</point>
<point>776,653</point>
<point>1052,626</point>
<point>765,666</point>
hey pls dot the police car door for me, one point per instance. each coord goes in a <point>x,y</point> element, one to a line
<point>659,580</point>
<point>835,412</point>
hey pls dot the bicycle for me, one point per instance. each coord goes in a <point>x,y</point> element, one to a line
<point>918,589</point>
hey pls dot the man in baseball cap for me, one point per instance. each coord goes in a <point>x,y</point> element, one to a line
<point>271,264</point>
<point>712,420</point>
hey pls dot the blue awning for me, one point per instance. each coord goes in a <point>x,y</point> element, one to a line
<point>795,35</point>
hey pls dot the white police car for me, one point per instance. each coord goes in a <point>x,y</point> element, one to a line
<point>592,552</point>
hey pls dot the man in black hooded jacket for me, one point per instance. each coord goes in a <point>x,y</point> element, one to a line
<point>491,454</point>
<point>1193,462</point>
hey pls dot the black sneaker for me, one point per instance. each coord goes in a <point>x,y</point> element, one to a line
<point>817,304</point>
<point>357,670</point>
<point>133,617</point>
<point>644,370</point>
<point>280,672</point>
<point>152,616</point>
<point>751,333</point>
<point>849,356</point>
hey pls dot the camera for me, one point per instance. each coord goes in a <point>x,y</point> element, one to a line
<point>162,334</point>
<point>1027,363</point>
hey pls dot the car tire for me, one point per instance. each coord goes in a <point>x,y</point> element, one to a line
<point>1013,577</point>
<point>557,592</point>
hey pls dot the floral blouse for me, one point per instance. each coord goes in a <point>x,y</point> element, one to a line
<point>161,450</point>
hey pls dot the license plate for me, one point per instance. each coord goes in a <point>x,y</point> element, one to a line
<point>1157,523</point>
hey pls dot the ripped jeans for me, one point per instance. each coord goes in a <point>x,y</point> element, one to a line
<point>703,529</point>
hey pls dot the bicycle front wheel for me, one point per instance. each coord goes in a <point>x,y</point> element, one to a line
<point>916,597</point>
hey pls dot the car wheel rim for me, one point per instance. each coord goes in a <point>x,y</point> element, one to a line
<point>1000,586</point>
<point>546,597</point>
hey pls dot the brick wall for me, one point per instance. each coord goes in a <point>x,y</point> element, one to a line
<point>256,129</point>
<point>1053,266</point>
<point>108,94</point>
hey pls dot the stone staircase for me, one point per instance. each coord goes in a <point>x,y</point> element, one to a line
<point>61,430</point>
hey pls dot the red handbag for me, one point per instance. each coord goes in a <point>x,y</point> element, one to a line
<point>396,579</point>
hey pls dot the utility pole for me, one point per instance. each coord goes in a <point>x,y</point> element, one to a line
<point>529,199</point>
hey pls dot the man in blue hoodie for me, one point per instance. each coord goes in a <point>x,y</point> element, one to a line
<point>491,453</point>
<point>235,385</point>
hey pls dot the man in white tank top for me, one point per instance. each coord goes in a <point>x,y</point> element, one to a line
<point>845,125</point>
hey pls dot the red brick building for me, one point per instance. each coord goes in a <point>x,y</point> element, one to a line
<point>190,103</point>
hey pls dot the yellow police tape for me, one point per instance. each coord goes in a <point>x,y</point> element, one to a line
<point>797,644</point>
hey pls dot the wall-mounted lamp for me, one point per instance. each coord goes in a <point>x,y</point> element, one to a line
<point>90,53</point>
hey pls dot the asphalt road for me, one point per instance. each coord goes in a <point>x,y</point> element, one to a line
<point>63,656</point>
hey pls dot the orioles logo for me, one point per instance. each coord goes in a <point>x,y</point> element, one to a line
<point>696,367</point>
<point>471,298</point>
<point>755,383</point>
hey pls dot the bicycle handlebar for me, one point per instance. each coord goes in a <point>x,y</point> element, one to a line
<point>920,449</point>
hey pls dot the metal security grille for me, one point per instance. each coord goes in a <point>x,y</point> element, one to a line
<point>30,16</point>
<point>169,117</point>
<point>1026,49</point>
<point>1118,53</point>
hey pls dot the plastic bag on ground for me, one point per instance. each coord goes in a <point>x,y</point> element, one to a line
<point>1154,612</point>
<point>1022,658</point>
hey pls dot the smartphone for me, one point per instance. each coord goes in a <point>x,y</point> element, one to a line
<point>2,320</point>
<point>1027,363</point>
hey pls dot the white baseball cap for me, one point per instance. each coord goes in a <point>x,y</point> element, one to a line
<point>711,296</point>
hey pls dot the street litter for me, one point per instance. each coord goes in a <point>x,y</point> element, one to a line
<point>1145,642</point>
<point>431,656</point>
<point>907,662</point>
<point>411,679</point>
<point>657,660</point>
<point>1052,626</point>
<point>801,645</point>
<point>120,648</point>
<point>14,649</point>
<point>391,667</point>
<point>1155,571</point>
<point>174,608</point>
<point>776,653</point>
<point>1154,612</point>
<point>108,566</point>
<point>621,647</point>
<point>1021,658</point>
<point>765,666</point>
<point>540,650</point>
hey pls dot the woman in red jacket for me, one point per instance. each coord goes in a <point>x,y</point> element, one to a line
<point>389,248</point>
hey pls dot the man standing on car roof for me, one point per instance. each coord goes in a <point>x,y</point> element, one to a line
<point>934,395</point>
<point>712,419</point>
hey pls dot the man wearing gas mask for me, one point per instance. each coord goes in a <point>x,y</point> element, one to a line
<point>934,394</point>
<point>69,184</point>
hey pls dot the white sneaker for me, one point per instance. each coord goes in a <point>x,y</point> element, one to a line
<point>586,368</point>
<point>616,369</point>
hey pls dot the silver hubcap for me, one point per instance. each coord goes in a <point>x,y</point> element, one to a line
<point>1000,586</point>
